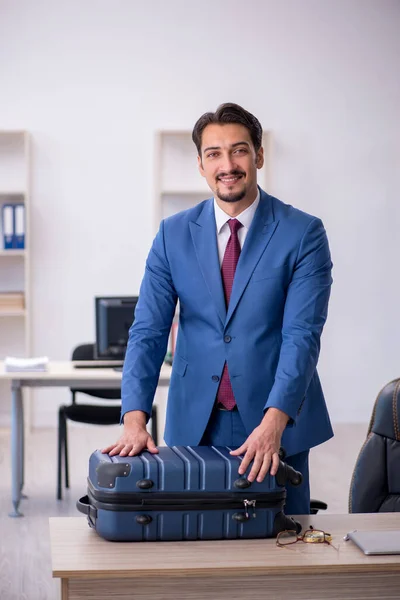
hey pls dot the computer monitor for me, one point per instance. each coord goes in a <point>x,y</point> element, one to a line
<point>114,316</point>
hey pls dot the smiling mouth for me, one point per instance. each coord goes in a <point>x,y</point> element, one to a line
<point>230,180</point>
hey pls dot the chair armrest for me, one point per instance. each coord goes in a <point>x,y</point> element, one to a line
<point>316,505</point>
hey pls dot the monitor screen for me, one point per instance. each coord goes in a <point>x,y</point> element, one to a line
<point>114,317</point>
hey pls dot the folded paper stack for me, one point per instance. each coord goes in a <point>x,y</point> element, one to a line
<point>12,363</point>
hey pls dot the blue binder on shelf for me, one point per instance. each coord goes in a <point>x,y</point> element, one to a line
<point>8,226</point>
<point>19,226</point>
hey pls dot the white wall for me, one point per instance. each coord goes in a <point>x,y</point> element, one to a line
<point>92,80</point>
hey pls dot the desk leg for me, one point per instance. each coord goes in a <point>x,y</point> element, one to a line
<point>17,447</point>
<point>64,589</point>
<point>22,443</point>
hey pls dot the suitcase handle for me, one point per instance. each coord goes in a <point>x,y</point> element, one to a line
<point>84,506</point>
<point>286,474</point>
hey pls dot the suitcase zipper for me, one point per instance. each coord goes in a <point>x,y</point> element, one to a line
<point>181,504</point>
<point>215,504</point>
<point>248,503</point>
<point>183,498</point>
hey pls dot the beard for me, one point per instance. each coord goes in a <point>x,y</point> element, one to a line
<point>232,196</point>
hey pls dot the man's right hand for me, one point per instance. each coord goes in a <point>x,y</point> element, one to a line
<point>135,437</point>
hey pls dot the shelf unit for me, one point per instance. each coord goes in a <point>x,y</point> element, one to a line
<point>178,183</point>
<point>12,313</point>
<point>9,253</point>
<point>15,324</point>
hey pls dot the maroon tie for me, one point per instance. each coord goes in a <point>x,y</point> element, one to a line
<point>225,393</point>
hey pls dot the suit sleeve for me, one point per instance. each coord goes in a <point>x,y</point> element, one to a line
<point>148,335</point>
<point>305,313</point>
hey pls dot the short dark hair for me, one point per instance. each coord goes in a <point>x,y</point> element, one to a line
<point>228,113</point>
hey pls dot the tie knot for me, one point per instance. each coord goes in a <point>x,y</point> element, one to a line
<point>234,225</point>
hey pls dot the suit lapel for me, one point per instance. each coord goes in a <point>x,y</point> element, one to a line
<point>204,238</point>
<point>258,237</point>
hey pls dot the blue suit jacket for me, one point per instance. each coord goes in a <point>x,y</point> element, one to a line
<point>269,335</point>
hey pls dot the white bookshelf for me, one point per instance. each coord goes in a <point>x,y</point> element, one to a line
<point>9,253</point>
<point>178,183</point>
<point>15,323</point>
<point>18,312</point>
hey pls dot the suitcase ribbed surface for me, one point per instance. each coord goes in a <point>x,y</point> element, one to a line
<point>176,469</point>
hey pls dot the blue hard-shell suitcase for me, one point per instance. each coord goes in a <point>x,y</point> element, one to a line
<point>183,493</point>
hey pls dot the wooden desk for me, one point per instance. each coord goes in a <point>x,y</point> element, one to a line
<point>58,374</point>
<point>92,569</point>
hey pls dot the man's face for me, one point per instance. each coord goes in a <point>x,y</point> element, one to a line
<point>229,161</point>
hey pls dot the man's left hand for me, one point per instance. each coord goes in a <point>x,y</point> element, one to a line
<point>262,446</point>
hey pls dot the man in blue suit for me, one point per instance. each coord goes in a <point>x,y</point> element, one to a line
<point>253,277</point>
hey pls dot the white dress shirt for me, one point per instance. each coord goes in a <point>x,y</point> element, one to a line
<point>223,231</point>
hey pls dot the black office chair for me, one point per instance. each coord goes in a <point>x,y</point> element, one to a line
<point>375,485</point>
<point>94,414</point>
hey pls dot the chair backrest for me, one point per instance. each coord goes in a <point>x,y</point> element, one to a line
<point>375,485</point>
<point>86,352</point>
<point>83,352</point>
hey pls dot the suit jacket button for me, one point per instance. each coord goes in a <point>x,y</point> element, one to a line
<point>215,378</point>
<point>227,339</point>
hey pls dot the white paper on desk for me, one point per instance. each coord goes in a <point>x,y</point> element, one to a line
<point>39,363</point>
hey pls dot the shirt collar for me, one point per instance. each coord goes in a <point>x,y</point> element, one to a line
<point>245,217</point>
